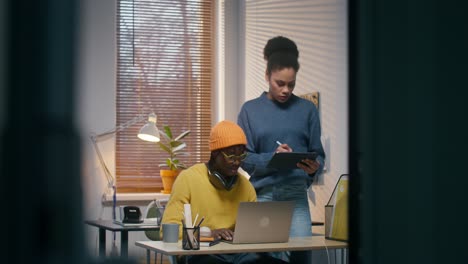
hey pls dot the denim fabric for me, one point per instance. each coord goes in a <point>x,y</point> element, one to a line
<point>301,224</point>
<point>240,258</point>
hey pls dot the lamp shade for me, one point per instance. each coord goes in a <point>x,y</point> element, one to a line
<point>149,132</point>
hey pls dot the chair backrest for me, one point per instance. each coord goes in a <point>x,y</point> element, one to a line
<point>155,209</point>
<point>153,212</point>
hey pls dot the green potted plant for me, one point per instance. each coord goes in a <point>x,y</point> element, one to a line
<point>174,147</point>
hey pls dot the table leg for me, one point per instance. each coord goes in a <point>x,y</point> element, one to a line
<point>148,256</point>
<point>102,243</point>
<point>124,244</point>
<point>342,256</point>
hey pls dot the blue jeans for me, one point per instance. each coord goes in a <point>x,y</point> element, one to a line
<point>301,224</point>
<point>239,258</point>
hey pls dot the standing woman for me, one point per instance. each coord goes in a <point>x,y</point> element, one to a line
<point>279,121</point>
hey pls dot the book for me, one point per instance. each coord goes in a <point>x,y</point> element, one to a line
<point>208,241</point>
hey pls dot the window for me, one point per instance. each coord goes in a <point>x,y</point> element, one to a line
<point>164,63</point>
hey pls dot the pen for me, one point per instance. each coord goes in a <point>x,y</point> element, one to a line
<point>214,242</point>
<point>194,221</point>
<point>279,143</point>
<point>189,238</point>
<point>201,221</point>
<point>185,230</point>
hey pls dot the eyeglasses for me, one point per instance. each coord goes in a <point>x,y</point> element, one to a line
<point>234,158</point>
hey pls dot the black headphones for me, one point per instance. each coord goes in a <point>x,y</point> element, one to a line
<point>218,181</point>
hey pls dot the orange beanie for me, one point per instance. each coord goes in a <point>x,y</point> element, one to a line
<point>226,134</point>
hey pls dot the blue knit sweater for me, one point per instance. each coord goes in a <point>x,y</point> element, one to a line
<point>264,122</point>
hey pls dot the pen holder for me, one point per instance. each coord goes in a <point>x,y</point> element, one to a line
<point>191,238</point>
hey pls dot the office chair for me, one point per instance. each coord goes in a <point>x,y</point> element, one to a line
<point>155,210</point>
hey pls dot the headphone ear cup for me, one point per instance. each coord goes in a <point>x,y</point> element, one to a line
<point>231,183</point>
<point>218,180</point>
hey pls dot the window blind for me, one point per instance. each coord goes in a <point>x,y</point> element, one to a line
<point>164,64</point>
<point>319,29</point>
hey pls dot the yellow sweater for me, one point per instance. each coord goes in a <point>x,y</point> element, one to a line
<point>219,207</point>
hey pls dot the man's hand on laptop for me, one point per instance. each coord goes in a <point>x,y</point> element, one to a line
<point>223,233</point>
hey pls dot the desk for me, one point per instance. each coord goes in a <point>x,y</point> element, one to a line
<point>109,225</point>
<point>294,244</point>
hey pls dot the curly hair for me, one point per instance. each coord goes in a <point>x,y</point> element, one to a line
<point>281,52</point>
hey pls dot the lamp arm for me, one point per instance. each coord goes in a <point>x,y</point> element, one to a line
<point>121,127</point>
<point>109,177</point>
<point>97,137</point>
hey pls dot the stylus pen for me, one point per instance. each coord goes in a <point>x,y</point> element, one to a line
<point>214,242</point>
<point>279,143</point>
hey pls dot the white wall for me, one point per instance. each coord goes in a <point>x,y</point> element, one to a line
<point>322,69</point>
<point>96,103</point>
<point>97,93</point>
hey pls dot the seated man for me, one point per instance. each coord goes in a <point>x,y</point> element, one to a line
<point>214,190</point>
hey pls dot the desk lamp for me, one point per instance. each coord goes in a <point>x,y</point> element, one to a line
<point>149,132</point>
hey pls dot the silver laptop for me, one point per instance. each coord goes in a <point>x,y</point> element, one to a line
<point>263,222</point>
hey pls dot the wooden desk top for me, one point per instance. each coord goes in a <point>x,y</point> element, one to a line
<point>294,244</point>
